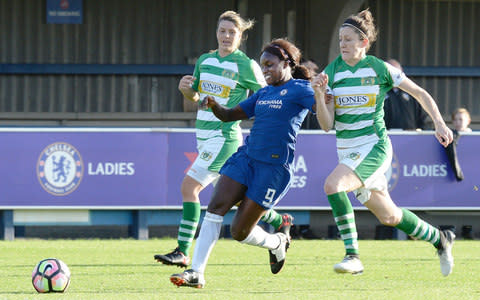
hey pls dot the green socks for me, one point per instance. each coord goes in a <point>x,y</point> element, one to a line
<point>345,219</point>
<point>273,218</point>
<point>188,226</point>
<point>417,228</point>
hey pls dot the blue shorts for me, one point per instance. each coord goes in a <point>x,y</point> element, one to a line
<point>266,183</point>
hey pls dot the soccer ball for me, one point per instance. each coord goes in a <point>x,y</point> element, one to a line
<point>51,275</point>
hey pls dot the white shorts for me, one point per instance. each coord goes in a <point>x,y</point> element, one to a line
<point>212,154</point>
<point>369,162</point>
<point>202,175</point>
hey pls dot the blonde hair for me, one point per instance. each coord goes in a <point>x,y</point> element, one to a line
<point>236,19</point>
<point>461,110</point>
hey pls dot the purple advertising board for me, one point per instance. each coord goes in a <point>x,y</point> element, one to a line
<point>143,169</point>
<point>83,169</point>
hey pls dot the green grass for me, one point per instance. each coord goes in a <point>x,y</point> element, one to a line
<point>125,269</point>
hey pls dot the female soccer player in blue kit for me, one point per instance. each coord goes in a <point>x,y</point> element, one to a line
<point>227,74</point>
<point>259,173</point>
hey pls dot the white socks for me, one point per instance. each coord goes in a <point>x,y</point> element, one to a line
<point>207,238</point>
<point>259,237</point>
<point>210,232</point>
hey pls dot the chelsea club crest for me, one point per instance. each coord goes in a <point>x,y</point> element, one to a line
<point>60,169</point>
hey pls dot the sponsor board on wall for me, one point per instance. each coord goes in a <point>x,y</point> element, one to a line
<point>55,168</point>
<point>144,168</point>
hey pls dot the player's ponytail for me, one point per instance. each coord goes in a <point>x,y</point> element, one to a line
<point>301,72</point>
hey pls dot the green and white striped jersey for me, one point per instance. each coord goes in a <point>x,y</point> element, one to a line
<point>359,93</point>
<point>228,79</point>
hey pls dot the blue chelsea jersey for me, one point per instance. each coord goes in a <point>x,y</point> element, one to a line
<point>279,112</point>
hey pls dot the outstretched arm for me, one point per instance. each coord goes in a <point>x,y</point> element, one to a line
<point>223,113</point>
<point>443,134</point>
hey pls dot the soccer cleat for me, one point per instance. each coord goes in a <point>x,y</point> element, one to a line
<point>190,278</point>
<point>444,251</point>
<point>350,264</point>
<point>176,257</point>
<point>277,256</point>
<point>287,223</point>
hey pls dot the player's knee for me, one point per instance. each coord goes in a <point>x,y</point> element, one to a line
<point>190,190</point>
<point>188,194</point>
<point>330,187</point>
<point>218,207</point>
<point>214,209</point>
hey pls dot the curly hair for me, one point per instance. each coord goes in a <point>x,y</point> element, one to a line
<point>287,51</point>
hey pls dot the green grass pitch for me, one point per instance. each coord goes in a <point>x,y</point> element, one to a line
<point>125,269</point>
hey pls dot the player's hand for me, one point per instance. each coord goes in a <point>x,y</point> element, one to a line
<point>207,102</point>
<point>319,83</point>
<point>185,84</point>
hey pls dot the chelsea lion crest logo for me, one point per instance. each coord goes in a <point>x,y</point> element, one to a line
<point>60,169</point>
